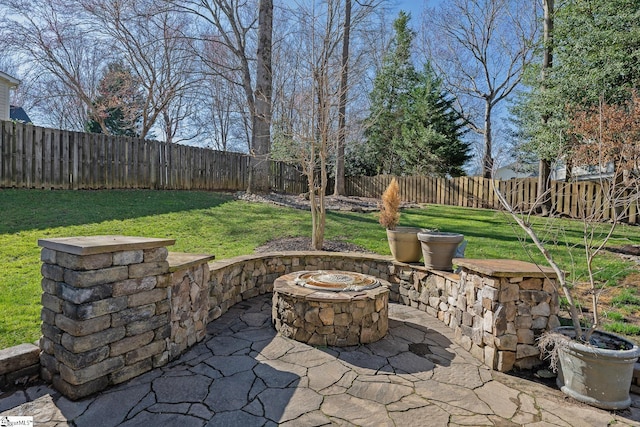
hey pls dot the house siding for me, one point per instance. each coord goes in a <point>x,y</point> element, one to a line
<point>4,101</point>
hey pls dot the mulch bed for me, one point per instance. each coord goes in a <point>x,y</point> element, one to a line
<point>304,244</point>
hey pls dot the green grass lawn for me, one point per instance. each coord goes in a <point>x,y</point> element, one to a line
<point>214,223</point>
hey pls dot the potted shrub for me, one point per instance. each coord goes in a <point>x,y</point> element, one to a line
<point>593,366</point>
<point>403,241</point>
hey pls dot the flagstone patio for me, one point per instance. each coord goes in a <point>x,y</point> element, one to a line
<point>245,374</point>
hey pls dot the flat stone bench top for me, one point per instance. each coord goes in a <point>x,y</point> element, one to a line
<point>18,357</point>
<point>505,268</point>
<point>90,245</point>
<point>181,260</point>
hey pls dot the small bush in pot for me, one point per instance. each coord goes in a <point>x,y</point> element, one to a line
<point>403,241</point>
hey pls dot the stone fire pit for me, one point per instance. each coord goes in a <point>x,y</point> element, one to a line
<point>338,308</point>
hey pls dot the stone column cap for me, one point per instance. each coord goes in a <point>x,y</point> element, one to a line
<point>90,245</point>
<point>505,267</point>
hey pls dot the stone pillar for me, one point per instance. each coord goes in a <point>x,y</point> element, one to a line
<point>509,304</point>
<point>105,310</point>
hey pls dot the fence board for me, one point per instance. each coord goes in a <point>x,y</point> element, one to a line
<point>19,156</point>
<point>88,155</point>
<point>28,157</point>
<point>633,213</point>
<point>4,140</point>
<point>47,159</point>
<point>526,196</point>
<point>566,198</point>
<point>37,157</point>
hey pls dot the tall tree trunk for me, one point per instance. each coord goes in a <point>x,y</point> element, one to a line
<point>261,131</point>
<point>544,197</point>
<point>487,160</point>
<point>342,109</point>
<point>544,166</point>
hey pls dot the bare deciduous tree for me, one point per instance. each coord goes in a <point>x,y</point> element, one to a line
<point>480,48</point>
<point>232,24</point>
<point>62,58</point>
<point>307,126</point>
<point>152,44</point>
<point>70,43</point>
<point>604,138</point>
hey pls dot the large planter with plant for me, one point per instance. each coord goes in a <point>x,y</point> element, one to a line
<point>403,241</point>
<point>594,367</point>
<point>438,249</point>
<point>598,373</point>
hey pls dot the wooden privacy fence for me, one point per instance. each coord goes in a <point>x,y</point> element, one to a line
<point>36,157</point>
<point>567,198</point>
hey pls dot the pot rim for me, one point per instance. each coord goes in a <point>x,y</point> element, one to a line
<point>407,229</point>
<point>632,353</point>
<point>442,236</point>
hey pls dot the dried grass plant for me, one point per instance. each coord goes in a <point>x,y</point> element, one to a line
<point>390,207</point>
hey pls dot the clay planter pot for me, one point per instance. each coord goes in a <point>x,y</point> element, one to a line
<point>404,244</point>
<point>438,249</point>
<point>597,376</point>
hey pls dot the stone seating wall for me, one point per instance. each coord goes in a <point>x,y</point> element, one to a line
<point>115,307</point>
<point>497,308</point>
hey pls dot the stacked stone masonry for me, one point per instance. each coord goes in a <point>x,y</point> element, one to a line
<point>189,301</point>
<point>107,310</point>
<point>115,307</point>
<point>329,318</point>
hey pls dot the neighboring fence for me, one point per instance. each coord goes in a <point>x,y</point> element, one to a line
<point>36,157</point>
<point>567,198</point>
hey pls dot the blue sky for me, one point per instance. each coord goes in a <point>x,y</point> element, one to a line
<point>415,7</point>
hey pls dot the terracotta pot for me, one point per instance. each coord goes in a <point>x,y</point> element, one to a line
<point>404,244</point>
<point>438,249</point>
<point>597,376</point>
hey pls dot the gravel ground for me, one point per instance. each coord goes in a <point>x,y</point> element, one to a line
<point>332,203</point>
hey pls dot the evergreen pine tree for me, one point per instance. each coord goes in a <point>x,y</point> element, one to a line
<point>117,107</point>
<point>412,127</point>
<point>595,57</point>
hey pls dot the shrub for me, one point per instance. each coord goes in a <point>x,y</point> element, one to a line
<point>390,208</point>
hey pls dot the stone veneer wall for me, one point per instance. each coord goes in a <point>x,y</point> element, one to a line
<point>189,301</point>
<point>497,308</point>
<point>329,318</point>
<point>113,308</point>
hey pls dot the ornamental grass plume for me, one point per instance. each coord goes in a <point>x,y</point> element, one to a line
<point>390,208</point>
